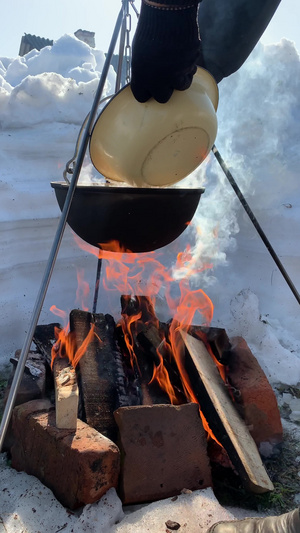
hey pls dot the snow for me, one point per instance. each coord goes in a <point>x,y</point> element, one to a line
<point>28,506</point>
<point>44,98</point>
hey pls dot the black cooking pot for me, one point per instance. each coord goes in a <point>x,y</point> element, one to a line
<point>141,219</point>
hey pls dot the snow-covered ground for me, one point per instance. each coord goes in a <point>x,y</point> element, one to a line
<point>27,506</point>
<point>44,98</point>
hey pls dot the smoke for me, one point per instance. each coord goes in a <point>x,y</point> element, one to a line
<point>259,138</point>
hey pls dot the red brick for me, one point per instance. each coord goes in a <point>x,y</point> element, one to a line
<point>255,395</point>
<point>78,466</point>
<point>164,450</point>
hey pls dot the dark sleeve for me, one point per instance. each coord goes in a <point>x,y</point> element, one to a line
<point>171,3</point>
<point>229,30</point>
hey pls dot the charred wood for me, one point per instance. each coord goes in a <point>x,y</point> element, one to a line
<point>145,339</point>
<point>152,340</point>
<point>132,376</point>
<point>44,339</point>
<point>32,386</point>
<point>100,375</point>
<point>217,339</point>
<point>134,305</point>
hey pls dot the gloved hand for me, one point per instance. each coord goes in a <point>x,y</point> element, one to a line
<point>165,49</point>
<point>285,523</point>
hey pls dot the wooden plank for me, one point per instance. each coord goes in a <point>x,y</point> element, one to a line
<point>66,394</point>
<point>223,418</point>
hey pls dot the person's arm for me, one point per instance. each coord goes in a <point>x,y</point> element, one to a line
<point>166,48</point>
<point>229,31</point>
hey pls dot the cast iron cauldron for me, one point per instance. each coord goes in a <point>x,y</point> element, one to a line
<point>141,219</point>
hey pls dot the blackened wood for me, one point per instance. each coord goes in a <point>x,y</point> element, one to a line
<point>126,396</point>
<point>32,386</point>
<point>151,392</point>
<point>132,377</point>
<point>44,338</point>
<point>152,339</point>
<point>132,305</point>
<point>222,417</point>
<point>98,373</point>
<point>144,360</point>
<point>217,339</point>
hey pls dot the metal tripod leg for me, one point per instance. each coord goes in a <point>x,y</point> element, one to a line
<point>98,275</point>
<point>117,88</point>
<point>255,223</point>
<point>57,240</point>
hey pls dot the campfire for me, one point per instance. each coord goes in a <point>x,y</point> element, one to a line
<point>158,402</point>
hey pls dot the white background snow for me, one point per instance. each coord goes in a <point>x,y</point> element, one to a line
<point>44,98</point>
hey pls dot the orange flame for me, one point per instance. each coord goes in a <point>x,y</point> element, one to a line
<point>66,345</point>
<point>161,375</point>
<point>58,312</point>
<point>127,325</point>
<point>144,275</point>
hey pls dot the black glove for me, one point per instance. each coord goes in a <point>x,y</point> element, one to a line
<point>165,50</point>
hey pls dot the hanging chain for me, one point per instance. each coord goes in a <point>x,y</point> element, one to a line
<point>127,50</point>
<point>127,58</point>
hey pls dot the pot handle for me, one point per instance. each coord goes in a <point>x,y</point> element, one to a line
<point>70,169</point>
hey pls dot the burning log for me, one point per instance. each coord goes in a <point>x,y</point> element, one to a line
<point>138,305</point>
<point>224,421</point>
<point>150,338</point>
<point>99,371</point>
<point>66,394</point>
<point>138,325</point>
